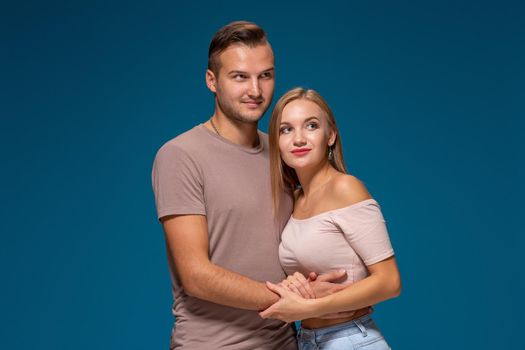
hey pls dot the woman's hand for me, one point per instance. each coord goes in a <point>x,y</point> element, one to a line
<point>298,284</point>
<point>324,285</point>
<point>291,307</point>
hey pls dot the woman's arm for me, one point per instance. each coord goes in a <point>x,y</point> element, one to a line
<point>383,283</point>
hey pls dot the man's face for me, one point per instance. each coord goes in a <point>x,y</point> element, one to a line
<point>245,82</point>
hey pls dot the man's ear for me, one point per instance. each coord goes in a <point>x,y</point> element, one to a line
<point>211,81</point>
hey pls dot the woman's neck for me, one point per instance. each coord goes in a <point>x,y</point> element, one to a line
<point>315,178</point>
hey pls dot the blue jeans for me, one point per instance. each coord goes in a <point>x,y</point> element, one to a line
<point>361,333</point>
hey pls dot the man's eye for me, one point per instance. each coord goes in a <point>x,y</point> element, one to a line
<point>239,77</point>
<point>267,75</point>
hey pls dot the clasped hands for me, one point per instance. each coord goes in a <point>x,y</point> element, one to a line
<point>298,293</point>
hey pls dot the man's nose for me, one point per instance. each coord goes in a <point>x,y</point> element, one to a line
<point>255,89</point>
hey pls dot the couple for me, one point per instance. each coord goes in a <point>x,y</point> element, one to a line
<point>241,211</point>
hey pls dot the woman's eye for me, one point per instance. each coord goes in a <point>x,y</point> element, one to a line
<point>312,126</point>
<point>284,130</point>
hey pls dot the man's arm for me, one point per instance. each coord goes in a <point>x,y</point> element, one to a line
<point>187,242</point>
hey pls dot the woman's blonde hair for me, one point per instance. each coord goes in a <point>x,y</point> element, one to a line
<point>284,177</point>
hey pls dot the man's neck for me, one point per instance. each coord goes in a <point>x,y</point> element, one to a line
<point>243,134</point>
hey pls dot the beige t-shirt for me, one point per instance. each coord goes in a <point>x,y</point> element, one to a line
<point>348,238</point>
<point>202,173</point>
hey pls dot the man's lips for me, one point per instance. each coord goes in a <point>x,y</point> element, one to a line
<point>301,151</point>
<point>253,103</point>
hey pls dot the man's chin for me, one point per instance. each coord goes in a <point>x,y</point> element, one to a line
<point>251,116</point>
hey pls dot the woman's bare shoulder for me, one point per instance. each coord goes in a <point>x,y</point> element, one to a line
<point>347,190</point>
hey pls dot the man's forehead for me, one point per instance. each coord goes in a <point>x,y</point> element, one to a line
<point>240,57</point>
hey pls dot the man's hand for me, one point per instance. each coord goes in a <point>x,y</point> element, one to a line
<point>326,283</point>
<point>314,286</point>
<point>298,284</point>
<point>290,307</point>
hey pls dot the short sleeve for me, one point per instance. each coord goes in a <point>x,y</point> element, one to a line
<point>177,183</point>
<point>365,230</point>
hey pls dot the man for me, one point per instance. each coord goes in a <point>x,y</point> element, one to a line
<point>212,191</point>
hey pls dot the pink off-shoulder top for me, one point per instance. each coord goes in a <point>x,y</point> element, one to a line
<point>349,238</point>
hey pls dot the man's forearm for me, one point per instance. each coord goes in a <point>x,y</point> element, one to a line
<point>221,286</point>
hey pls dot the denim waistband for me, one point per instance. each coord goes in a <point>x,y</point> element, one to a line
<point>346,328</point>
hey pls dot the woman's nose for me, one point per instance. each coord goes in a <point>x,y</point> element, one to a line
<point>299,138</point>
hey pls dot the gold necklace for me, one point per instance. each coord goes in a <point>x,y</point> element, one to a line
<point>218,133</point>
<point>214,127</point>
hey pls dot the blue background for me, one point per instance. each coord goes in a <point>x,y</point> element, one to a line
<point>429,97</point>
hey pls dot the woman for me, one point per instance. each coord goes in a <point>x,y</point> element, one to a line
<point>335,224</point>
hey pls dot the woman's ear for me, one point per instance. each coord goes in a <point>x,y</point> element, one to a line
<point>332,138</point>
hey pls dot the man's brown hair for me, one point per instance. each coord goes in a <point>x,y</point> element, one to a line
<point>239,32</point>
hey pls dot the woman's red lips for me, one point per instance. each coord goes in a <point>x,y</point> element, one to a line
<point>301,151</point>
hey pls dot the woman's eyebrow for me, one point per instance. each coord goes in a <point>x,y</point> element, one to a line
<point>310,118</point>
<point>305,121</point>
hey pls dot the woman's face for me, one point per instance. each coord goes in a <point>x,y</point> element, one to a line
<point>304,134</point>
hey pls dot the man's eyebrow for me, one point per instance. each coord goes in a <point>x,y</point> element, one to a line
<point>244,72</point>
<point>236,72</point>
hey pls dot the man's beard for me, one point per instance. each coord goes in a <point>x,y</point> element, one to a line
<point>235,114</point>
